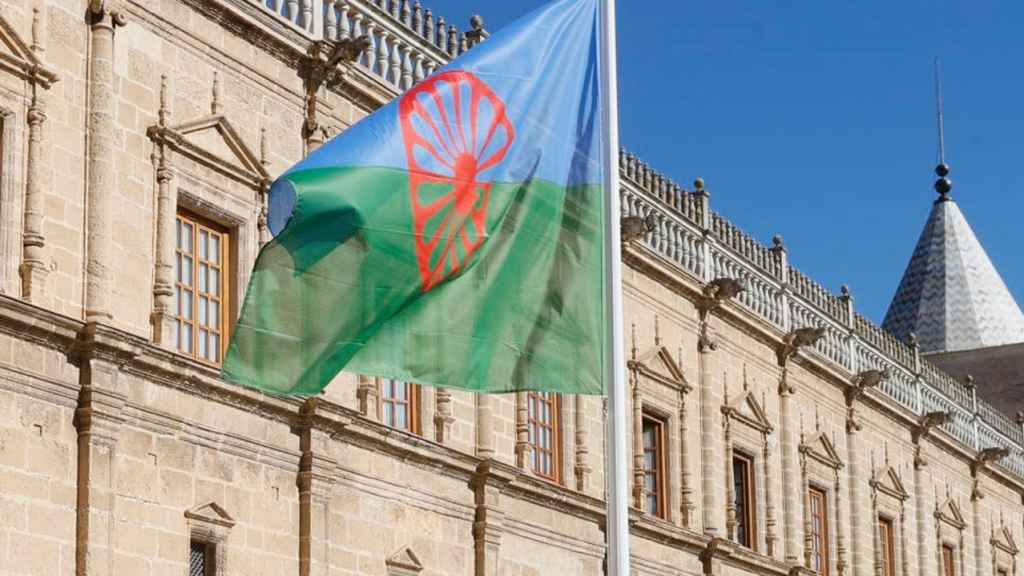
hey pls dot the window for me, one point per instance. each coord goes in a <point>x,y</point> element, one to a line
<point>543,411</point>
<point>201,290</point>
<point>743,490</point>
<point>948,562</point>
<point>888,551</point>
<point>654,466</point>
<point>819,531</point>
<point>400,405</point>
<point>201,559</point>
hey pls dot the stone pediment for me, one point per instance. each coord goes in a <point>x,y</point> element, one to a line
<point>949,512</point>
<point>819,447</point>
<point>213,140</point>
<point>745,408</point>
<point>659,365</point>
<point>210,513</point>
<point>1003,540</point>
<point>19,58</point>
<point>887,481</point>
<point>404,563</point>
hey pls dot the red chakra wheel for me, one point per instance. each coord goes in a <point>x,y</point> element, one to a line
<point>455,129</point>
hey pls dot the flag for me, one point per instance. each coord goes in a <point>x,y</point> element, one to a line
<point>455,237</point>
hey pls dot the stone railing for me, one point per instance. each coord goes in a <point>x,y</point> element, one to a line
<point>407,43</point>
<point>703,244</point>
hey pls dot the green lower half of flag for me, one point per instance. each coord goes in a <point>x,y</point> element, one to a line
<point>341,288</point>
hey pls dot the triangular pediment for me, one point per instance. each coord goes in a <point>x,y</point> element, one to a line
<point>819,447</point>
<point>17,56</point>
<point>745,408</point>
<point>1003,539</point>
<point>215,135</point>
<point>888,481</point>
<point>659,365</point>
<point>404,563</point>
<point>211,513</point>
<point>949,512</point>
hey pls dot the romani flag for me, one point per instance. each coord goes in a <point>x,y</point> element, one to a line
<point>455,237</point>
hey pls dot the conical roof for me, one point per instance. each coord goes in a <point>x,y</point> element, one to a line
<point>951,295</point>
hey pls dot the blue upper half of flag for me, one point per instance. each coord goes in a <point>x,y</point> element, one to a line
<point>534,101</point>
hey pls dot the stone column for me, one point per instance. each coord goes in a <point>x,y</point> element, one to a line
<point>638,444</point>
<point>685,483</point>
<point>163,288</point>
<point>582,465</point>
<point>524,451</point>
<point>315,482</point>
<point>484,426</point>
<point>488,520</point>
<point>712,474</point>
<point>769,500</point>
<point>102,180</point>
<point>34,268</point>
<point>840,525</point>
<point>730,485</point>
<point>791,501</point>
<point>368,396</point>
<point>98,420</point>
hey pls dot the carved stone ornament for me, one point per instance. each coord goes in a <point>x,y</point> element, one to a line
<point>860,384</point>
<point>887,481</point>
<point>949,512</point>
<point>793,342</point>
<point>924,427</point>
<point>819,447</point>
<point>21,59</point>
<point>404,563</point>
<point>635,228</point>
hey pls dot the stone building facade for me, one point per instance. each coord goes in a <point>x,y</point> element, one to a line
<point>775,430</point>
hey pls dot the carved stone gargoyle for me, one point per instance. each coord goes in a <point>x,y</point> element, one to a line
<point>326,64</point>
<point>925,425</point>
<point>635,227</point>
<point>797,339</point>
<point>860,384</point>
<point>714,293</point>
<point>985,457</point>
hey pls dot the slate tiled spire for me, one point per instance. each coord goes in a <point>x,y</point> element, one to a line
<point>951,295</point>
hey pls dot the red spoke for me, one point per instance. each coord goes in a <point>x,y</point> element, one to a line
<point>421,111</point>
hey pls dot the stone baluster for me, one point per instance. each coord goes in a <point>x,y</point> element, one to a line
<point>418,73</point>
<point>293,11</point>
<point>431,66</point>
<point>463,43</point>
<point>383,55</point>
<point>397,51</point>
<point>396,10</point>
<point>417,18</point>
<point>102,179</point>
<point>428,27</point>
<point>406,13</point>
<point>371,52</point>
<point>442,34</point>
<point>331,26</point>
<point>408,55</point>
<point>453,40</point>
<point>307,15</point>
<point>34,269</point>
<point>344,23</point>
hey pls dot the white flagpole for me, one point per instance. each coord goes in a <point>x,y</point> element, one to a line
<point>615,460</point>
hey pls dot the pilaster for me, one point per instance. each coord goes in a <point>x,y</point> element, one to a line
<point>524,451</point>
<point>98,419</point>
<point>162,318</point>
<point>581,468</point>
<point>34,268</point>
<point>102,178</point>
<point>484,426</point>
<point>488,482</point>
<point>315,483</point>
<point>443,418</point>
<point>368,396</point>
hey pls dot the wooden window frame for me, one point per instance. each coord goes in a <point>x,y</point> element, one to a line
<point>887,539</point>
<point>749,486</point>
<point>209,556</point>
<point>412,404</point>
<point>821,551</point>
<point>535,401</point>
<point>223,299</point>
<point>660,458</point>
<point>948,552</point>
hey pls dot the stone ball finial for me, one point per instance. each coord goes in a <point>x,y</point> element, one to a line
<point>942,170</point>
<point>699,184</point>
<point>844,290</point>
<point>912,339</point>
<point>943,186</point>
<point>777,241</point>
<point>1020,417</point>
<point>969,382</point>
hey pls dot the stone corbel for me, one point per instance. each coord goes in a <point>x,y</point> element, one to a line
<point>488,483</point>
<point>327,63</point>
<point>924,427</point>
<point>858,386</point>
<point>712,555</point>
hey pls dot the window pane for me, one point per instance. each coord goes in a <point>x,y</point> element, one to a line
<point>177,230</point>
<point>215,347</point>
<point>215,281</point>
<point>215,248</point>
<point>202,342</point>
<point>389,418</point>
<point>202,310</point>
<point>203,235</point>
<point>186,240</point>
<point>202,277</point>
<point>400,416</point>
<point>400,390</point>
<point>186,338</point>
<point>186,304</point>
<point>215,315</point>
<point>186,270</point>
<point>178,272</point>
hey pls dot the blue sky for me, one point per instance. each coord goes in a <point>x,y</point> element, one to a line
<point>816,120</point>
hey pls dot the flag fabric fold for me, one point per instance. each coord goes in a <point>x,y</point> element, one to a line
<point>454,237</point>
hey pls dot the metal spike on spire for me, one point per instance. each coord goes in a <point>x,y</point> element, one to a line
<point>943,185</point>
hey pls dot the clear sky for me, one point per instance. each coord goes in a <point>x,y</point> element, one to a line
<point>816,120</point>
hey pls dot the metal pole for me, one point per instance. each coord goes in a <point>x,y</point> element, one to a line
<point>615,461</point>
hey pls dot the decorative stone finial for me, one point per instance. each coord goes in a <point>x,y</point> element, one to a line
<point>969,382</point>
<point>37,36</point>
<point>777,243</point>
<point>215,105</point>
<point>698,185</point>
<point>165,112</point>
